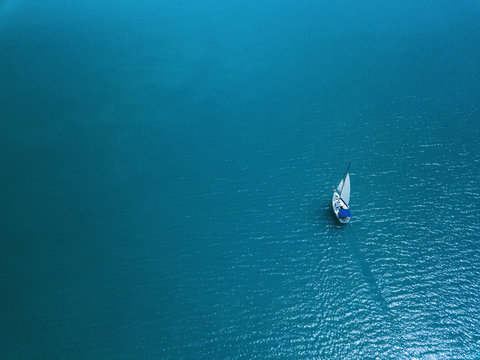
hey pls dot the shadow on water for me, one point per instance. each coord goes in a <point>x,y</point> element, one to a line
<point>374,290</point>
<point>346,233</point>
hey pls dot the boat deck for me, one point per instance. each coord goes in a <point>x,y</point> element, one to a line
<point>339,200</point>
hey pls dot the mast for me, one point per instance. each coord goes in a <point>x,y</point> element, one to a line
<point>348,168</point>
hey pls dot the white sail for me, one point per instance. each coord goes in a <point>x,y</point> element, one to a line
<point>345,194</point>
<point>339,187</point>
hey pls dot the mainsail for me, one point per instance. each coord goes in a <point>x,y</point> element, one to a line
<point>345,192</point>
<point>341,198</point>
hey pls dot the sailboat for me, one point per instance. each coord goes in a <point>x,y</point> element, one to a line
<point>341,198</point>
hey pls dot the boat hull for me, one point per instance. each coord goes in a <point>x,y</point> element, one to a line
<point>337,204</point>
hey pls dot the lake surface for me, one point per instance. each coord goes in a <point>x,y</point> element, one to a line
<point>168,166</point>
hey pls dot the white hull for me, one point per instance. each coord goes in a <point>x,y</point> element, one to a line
<point>337,204</point>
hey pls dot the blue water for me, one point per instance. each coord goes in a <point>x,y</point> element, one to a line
<point>168,166</point>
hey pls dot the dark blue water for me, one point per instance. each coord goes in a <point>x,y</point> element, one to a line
<point>167,171</point>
